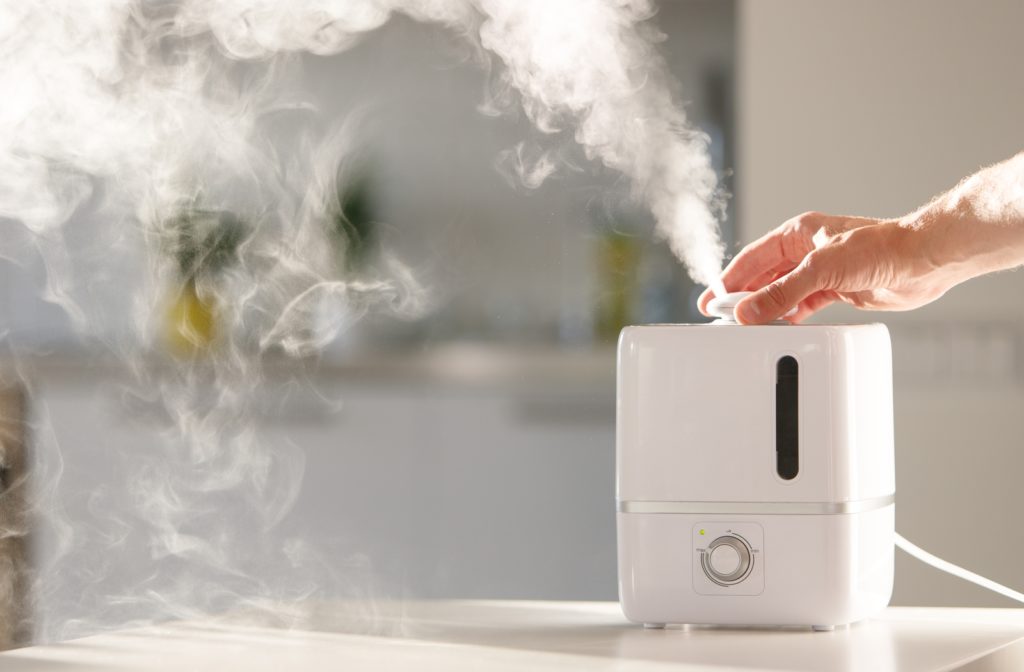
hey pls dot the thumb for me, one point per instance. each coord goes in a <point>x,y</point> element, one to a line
<point>777,298</point>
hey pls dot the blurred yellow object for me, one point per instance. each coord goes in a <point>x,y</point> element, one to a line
<point>191,322</point>
<point>618,257</point>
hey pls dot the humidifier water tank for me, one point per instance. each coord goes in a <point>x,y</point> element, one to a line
<point>755,473</point>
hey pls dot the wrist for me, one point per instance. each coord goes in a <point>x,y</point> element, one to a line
<point>939,240</point>
<point>919,244</point>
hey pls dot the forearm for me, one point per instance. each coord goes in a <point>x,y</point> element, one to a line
<point>975,228</point>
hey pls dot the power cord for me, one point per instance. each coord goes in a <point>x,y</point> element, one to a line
<point>957,571</point>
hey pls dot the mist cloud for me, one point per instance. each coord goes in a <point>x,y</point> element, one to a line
<point>127,113</point>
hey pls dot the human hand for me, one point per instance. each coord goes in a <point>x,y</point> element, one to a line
<point>815,259</point>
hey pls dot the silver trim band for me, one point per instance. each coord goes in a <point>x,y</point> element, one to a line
<point>766,508</point>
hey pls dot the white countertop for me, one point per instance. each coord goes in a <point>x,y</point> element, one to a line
<point>507,635</point>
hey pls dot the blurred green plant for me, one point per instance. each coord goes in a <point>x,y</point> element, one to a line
<point>352,227</point>
<point>204,243</point>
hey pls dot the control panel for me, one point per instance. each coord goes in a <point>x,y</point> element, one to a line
<point>728,558</point>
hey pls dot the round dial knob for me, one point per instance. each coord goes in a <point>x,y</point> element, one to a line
<point>724,560</point>
<point>727,560</point>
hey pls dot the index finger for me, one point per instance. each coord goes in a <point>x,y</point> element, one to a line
<point>756,259</point>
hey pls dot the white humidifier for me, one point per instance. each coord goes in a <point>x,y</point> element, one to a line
<point>755,475</point>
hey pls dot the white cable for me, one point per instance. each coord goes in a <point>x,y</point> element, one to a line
<point>957,571</point>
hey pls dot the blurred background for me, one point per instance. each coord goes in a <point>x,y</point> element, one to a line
<point>472,453</point>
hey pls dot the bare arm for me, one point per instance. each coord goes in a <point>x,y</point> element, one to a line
<point>816,259</point>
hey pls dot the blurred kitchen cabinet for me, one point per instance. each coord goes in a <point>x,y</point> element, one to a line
<point>459,492</point>
<point>529,502</point>
<point>439,488</point>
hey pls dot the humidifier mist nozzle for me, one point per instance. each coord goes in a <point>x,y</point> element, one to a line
<point>724,307</point>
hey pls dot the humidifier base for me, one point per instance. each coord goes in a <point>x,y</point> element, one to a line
<point>756,570</point>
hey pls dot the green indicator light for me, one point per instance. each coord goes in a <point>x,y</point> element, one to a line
<point>702,533</point>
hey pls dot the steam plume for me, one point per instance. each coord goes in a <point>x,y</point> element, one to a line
<point>592,66</point>
<point>118,115</point>
<point>136,92</point>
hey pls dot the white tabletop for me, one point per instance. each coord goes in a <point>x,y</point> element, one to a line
<point>492,635</point>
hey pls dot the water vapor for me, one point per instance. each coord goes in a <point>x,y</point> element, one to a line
<point>175,138</point>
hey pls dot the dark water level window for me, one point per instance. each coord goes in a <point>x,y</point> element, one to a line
<point>787,417</point>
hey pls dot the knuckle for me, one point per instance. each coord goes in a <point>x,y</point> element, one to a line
<point>775,294</point>
<point>855,243</point>
<point>817,266</point>
<point>800,233</point>
<point>861,236</point>
<point>801,229</point>
<point>796,242</point>
<point>824,268</point>
<point>833,230</point>
<point>809,220</point>
<point>792,224</point>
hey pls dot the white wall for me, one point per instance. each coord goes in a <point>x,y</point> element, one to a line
<point>872,108</point>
